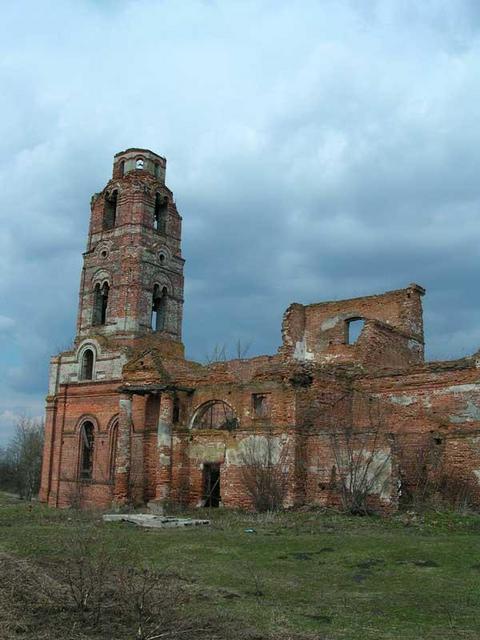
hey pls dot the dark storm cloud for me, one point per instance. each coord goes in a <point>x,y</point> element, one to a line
<point>317,150</point>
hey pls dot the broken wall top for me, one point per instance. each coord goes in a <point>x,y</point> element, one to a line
<point>392,333</point>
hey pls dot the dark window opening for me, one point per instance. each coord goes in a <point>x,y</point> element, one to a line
<point>160,213</point>
<point>110,211</point>
<point>122,168</point>
<point>159,308</point>
<point>211,485</point>
<point>261,405</point>
<point>100,304</point>
<point>176,410</point>
<point>113,449</point>
<point>157,169</point>
<point>353,329</point>
<point>86,443</point>
<point>215,414</point>
<point>87,365</point>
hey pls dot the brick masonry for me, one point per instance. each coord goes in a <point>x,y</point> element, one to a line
<point>130,420</point>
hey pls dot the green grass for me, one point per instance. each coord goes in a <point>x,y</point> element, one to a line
<point>327,575</point>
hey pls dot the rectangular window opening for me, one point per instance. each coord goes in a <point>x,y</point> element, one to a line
<point>261,405</point>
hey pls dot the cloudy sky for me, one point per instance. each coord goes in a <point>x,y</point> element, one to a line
<point>316,150</point>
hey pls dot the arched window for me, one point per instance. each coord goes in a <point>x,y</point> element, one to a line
<point>160,213</point>
<point>100,303</point>
<point>139,164</point>
<point>353,329</point>
<point>86,367</point>
<point>86,450</point>
<point>215,414</point>
<point>110,211</point>
<point>159,308</point>
<point>113,448</point>
<point>122,168</point>
<point>176,410</point>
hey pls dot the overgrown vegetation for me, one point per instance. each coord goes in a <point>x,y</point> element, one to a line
<point>21,459</point>
<point>311,575</point>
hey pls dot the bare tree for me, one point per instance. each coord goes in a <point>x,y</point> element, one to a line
<point>241,349</point>
<point>22,459</point>
<point>7,470</point>
<point>218,354</point>
<point>362,458</point>
<point>264,470</point>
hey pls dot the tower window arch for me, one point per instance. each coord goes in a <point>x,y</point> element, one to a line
<point>86,365</point>
<point>110,211</point>
<point>160,213</point>
<point>122,168</point>
<point>87,440</point>
<point>100,303</point>
<point>139,163</point>
<point>159,308</point>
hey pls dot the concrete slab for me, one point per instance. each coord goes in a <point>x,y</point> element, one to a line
<point>154,521</point>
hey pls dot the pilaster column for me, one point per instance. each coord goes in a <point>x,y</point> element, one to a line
<point>164,447</point>
<point>48,448</point>
<point>122,461</point>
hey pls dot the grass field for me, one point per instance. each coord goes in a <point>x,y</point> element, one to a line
<point>313,574</point>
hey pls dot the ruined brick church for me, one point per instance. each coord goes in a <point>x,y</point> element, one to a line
<point>129,420</point>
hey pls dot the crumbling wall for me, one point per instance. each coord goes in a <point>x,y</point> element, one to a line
<point>392,335</point>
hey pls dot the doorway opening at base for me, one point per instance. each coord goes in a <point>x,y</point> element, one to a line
<point>211,484</point>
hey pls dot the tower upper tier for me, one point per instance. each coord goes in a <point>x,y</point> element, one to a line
<point>132,276</point>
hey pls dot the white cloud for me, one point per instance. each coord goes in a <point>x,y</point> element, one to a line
<point>316,150</point>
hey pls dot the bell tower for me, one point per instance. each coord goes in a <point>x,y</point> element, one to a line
<point>132,277</point>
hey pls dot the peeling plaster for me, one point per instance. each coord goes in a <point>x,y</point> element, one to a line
<point>258,444</point>
<point>457,388</point>
<point>301,352</point>
<point>379,472</point>
<point>405,401</point>
<point>470,413</point>
<point>209,452</point>
<point>329,323</point>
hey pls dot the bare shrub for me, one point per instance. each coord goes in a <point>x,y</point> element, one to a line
<point>455,492</point>
<point>151,598</point>
<point>264,470</point>
<point>88,577</point>
<point>81,600</point>
<point>427,482</point>
<point>362,460</point>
